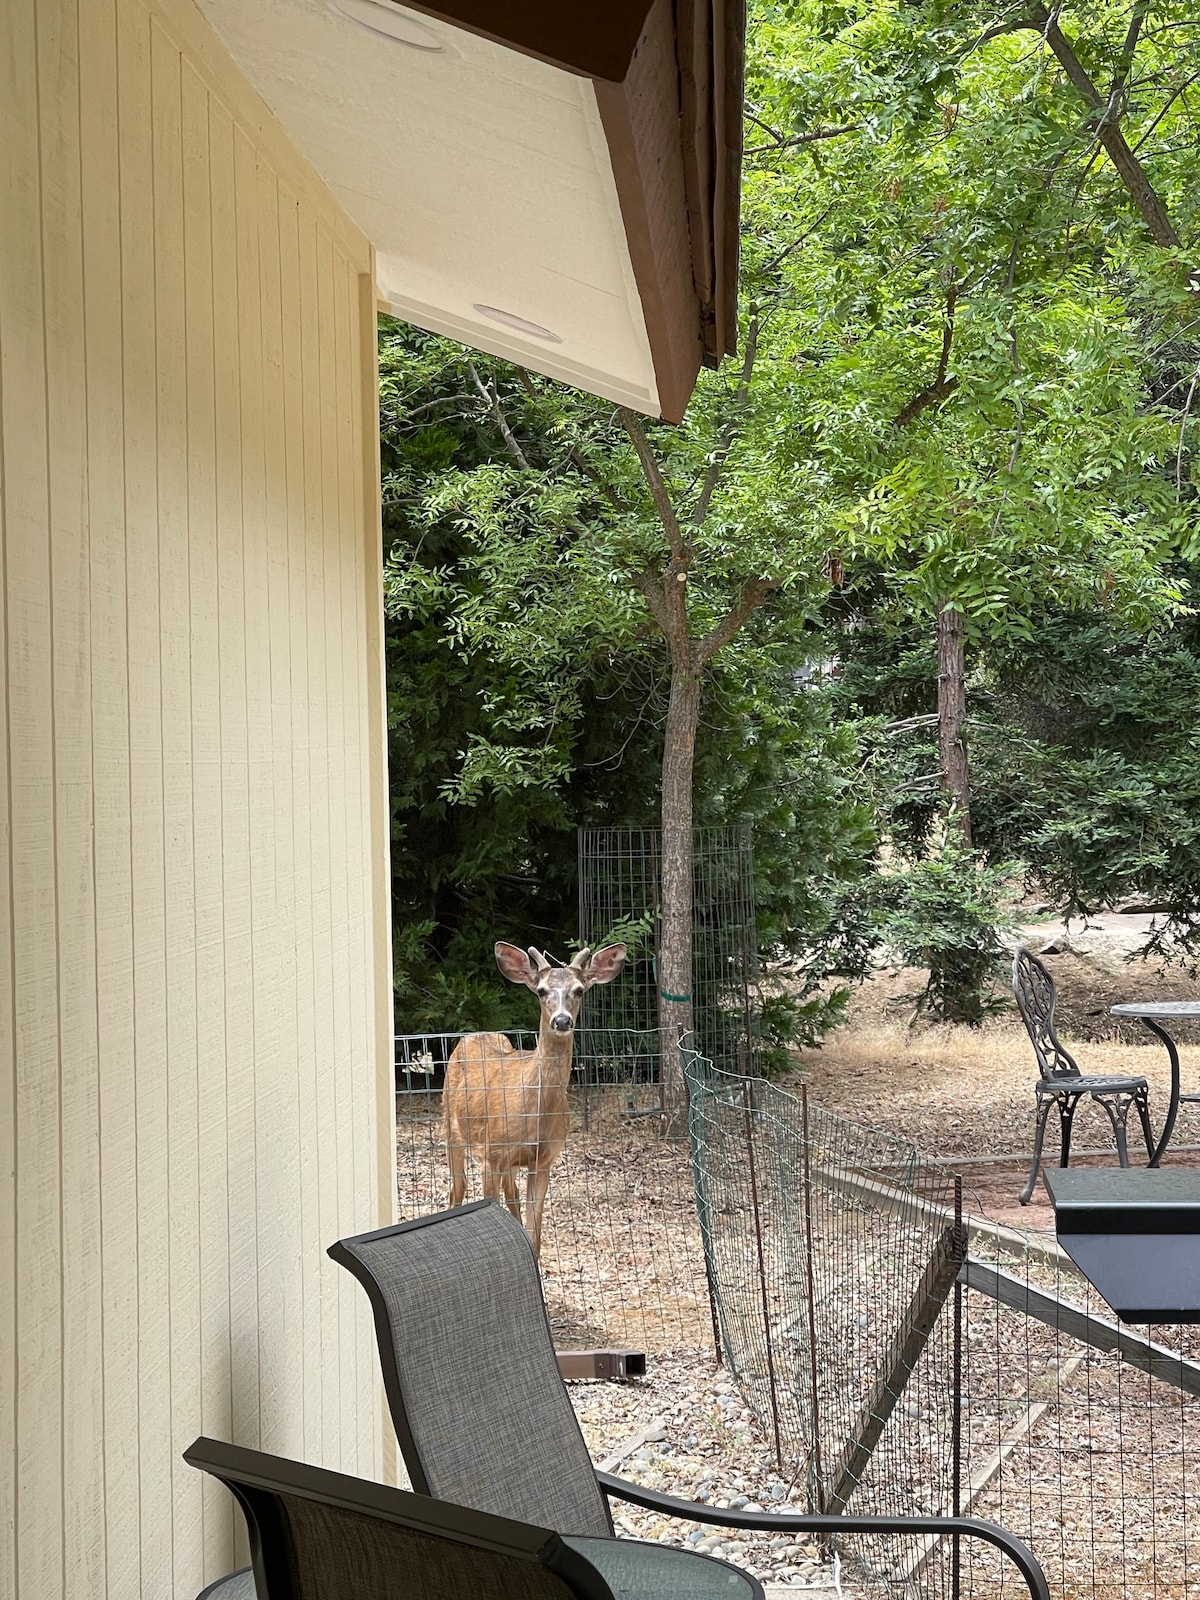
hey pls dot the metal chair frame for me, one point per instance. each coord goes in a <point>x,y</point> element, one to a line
<point>1061,1084</point>
<point>819,1525</point>
<point>263,1484</point>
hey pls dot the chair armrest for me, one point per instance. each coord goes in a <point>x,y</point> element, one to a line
<point>666,1505</point>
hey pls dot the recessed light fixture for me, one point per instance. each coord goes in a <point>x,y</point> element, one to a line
<point>381,16</point>
<point>519,324</point>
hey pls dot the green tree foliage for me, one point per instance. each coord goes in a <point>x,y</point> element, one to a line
<point>962,422</point>
<point>528,686</point>
<point>984,305</point>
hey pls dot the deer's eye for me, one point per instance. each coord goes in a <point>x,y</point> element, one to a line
<point>576,991</point>
<point>541,991</point>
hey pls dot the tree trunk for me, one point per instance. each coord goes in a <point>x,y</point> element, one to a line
<point>952,716</point>
<point>675,1012</point>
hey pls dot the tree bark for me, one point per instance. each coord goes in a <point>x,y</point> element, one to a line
<point>675,1006</point>
<point>952,716</point>
<point>665,594</point>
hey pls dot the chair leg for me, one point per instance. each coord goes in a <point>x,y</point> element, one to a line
<point>1043,1111</point>
<point>1120,1113</point>
<point>1068,1104</point>
<point>1117,1110</point>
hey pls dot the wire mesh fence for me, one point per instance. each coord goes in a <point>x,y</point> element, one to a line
<point>620,878</point>
<point>908,1356</point>
<point>829,1304</point>
<point>1080,1433</point>
<point>902,1353</point>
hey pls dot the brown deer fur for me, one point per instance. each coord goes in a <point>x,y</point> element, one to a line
<point>508,1107</point>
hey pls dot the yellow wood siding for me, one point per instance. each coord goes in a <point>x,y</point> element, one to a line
<point>195,1094</point>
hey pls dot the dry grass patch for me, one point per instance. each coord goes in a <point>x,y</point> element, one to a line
<point>966,1093</point>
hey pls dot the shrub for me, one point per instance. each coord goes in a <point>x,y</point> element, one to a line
<point>947,914</point>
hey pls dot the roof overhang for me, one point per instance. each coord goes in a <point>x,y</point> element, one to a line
<point>551,181</point>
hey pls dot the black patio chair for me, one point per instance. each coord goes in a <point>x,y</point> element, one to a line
<point>318,1535</point>
<point>1061,1083</point>
<point>484,1419</point>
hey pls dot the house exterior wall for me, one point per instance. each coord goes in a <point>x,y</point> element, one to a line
<point>194,967</point>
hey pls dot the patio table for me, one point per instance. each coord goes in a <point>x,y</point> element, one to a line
<point>1152,1014</point>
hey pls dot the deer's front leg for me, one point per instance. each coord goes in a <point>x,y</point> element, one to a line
<point>535,1200</point>
<point>512,1198</point>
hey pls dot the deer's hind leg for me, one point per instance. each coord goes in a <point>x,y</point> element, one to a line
<point>497,1179</point>
<point>456,1159</point>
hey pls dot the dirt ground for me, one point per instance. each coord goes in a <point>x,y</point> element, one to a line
<point>965,1095</point>
<point>622,1265</point>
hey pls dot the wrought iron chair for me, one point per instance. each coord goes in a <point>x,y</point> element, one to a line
<point>484,1419</point>
<point>315,1535</point>
<point>1061,1083</point>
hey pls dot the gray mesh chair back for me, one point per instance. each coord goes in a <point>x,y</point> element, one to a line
<point>478,1404</point>
<point>317,1535</point>
<point>1033,990</point>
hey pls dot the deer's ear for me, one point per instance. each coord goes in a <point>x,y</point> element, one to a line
<point>605,965</point>
<point>515,965</point>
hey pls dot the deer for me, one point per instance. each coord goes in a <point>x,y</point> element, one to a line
<point>508,1107</point>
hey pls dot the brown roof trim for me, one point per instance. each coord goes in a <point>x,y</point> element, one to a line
<point>668,76</point>
<point>674,131</point>
<point>711,49</point>
<point>595,38</point>
<point>641,125</point>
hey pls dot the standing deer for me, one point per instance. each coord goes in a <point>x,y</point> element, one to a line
<point>509,1106</point>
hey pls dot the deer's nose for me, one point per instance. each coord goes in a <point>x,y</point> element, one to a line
<point>562,1022</point>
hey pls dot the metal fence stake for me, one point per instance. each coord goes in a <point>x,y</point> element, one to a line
<point>812,1303</point>
<point>747,1104</point>
<point>956,1398</point>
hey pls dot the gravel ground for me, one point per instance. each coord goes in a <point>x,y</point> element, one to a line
<point>685,1430</point>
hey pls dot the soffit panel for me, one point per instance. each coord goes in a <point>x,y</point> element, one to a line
<point>481,175</point>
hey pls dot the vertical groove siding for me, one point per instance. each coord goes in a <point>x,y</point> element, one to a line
<point>194,967</point>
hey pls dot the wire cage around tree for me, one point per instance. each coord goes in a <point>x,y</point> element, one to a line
<point>620,896</point>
